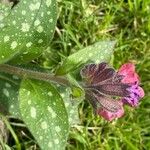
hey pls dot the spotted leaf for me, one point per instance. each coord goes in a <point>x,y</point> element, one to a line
<point>100,51</point>
<point>9,86</point>
<point>71,104</point>
<point>4,12</point>
<point>44,113</point>
<point>27,30</point>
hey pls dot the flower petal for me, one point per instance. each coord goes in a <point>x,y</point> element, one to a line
<point>95,74</point>
<point>141,92</point>
<point>128,71</point>
<point>111,115</point>
<point>136,93</point>
<point>112,89</point>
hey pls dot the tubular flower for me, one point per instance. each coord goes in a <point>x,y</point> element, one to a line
<point>132,78</point>
<point>106,90</point>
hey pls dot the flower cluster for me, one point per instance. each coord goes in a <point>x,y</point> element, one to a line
<point>108,90</point>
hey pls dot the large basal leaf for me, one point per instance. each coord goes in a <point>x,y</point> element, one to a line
<point>44,113</point>
<point>27,30</point>
<point>9,87</point>
<point>98,52</point>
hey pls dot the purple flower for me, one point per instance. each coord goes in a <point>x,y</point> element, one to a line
<point>107,92</point>
<point>132,78</point>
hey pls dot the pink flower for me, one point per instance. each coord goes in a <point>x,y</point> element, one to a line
<point>132,78</point>
<point>108,115</point>
<point>108,90</point>
<point>128,71</point>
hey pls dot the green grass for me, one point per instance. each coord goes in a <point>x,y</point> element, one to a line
<point>81,23</point>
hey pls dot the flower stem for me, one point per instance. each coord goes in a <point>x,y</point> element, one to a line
<point>26,73</point>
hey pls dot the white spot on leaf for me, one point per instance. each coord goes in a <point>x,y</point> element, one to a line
<point>48,12</point>
<point>44,125</point>
<point>40,29</point>
<point>14,22</point>
<point>53,114</point>
<point>12,106</point>
<point>23,12</point>
<point>51,20</point>
<point>29,44</point>
<point>37,22</point>
<point>14,45</point>
<point>6,38</point>
<point>66,104</point>
<point>28,93</point>
<point>50,93</point>
<point>41,137</point>
<point>33,112</point>
<point>29,102</point>
<point>72,111</point>
<point>97,61</point>
<point>48,3</point>
<point>62,95</point>
<point>7,85</point>
<point>90,54</point>
<point>25,27</point>
<point>6,93</point>
<point>57,129</point>
<point>56,141</point>
<point>42,14</point>
<point>33,7</point>
<point>50,145</point>
<point>40,41</point>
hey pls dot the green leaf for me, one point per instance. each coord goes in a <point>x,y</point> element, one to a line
<point>9,86</point>
<point>4,12</point>
<point>44,113</point>
<point>71,104</point>
<point>27,30</point>
<point>98,52</point>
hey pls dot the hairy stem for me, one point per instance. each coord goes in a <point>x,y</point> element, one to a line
<point>26,73</point>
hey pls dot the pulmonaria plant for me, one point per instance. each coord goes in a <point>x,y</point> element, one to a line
<point>108,90</point>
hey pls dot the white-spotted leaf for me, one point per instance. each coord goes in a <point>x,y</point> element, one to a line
<point>44,113</point>
<point>9,86</point>
<point>98,52</point>
<point>71,104</point>
<point>27,30</point>
<point>4,12</point>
